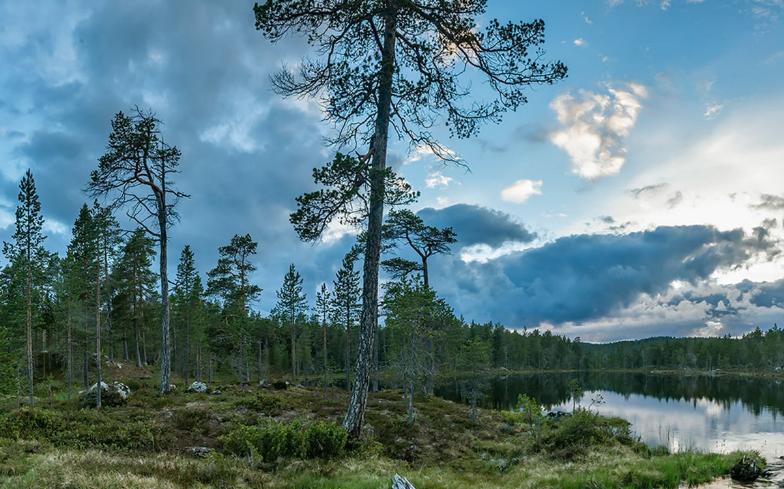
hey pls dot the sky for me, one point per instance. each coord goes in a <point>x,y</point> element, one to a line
<point>642,196</point>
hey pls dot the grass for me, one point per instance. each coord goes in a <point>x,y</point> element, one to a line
<point>142,445</point>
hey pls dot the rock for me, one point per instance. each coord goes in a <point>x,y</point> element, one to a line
<point>197,386</point>
<point>198,452</point>
<point>399,482</point>
<point>116,394</point>
<point>172,387</point>
<point>746,470</point>
<point>280,385</point>
<point>368,431</point>
<point>215,392</point>
<point>263,384</point>
<point>558,414</point>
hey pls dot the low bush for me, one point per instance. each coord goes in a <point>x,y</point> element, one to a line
<point>29,424</point>
<point>270,405</point>
<point>272,441</point>
<point>570,436</point>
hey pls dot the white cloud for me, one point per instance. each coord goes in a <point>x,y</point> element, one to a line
<point>434,150</point>
<point>595,125</point>
<point>712,110</point>
<point>717,180</point>
<point>579,42</point>
<point>437,179</point>
<point>521,190</point>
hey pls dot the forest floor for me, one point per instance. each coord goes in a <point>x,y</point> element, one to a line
<point>189,440</point>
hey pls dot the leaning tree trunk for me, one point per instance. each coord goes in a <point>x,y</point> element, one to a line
<point>355,414</point>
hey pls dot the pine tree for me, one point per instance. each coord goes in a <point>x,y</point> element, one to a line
<point>323,306</point>
<point>230,281</point>
<point>29,256</point>
<point>188,293</point>
<point>134,280</point>
<point>291,303</point>
<point>401,64</point>
<point>347,303</point>
<point>136,173</point>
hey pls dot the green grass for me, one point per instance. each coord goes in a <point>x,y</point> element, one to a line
<point>140,445</point>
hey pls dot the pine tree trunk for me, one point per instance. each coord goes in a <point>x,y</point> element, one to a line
<point>348,350</point>
<point>375,363</point>
<point>30,325</point>
<point>326,368</point>
<point>85,360</point>
<point>165,340</point>
<point>70,347</point>
<point>98,338</point>
<point>355,414</point>
<point>293,353</point>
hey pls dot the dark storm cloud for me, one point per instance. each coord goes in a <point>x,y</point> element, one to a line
<point>587,277</point>
<point>475,224</point>
<point>204,70</point>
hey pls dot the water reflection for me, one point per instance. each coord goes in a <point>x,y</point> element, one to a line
<point>703,412</point>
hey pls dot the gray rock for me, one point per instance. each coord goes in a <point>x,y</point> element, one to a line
<point>197,386</point>
<point>116,394</point>
<point>368,430</point>
<point>215,392</point>
<point>399,482</point>
<point>198,452</point>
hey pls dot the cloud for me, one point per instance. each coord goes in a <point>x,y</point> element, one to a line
<point>478,225</point>
<point>712,110</point>
<point>435,178</point>
<point>521,190</point>
<point>648,190</point>
<point>579,42</point>
<point>770,202</point>
<point>434,150</point>
<point>606,279</point>
<point>595,126</point>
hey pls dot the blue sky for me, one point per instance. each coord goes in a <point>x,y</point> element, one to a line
<point>641,196</point>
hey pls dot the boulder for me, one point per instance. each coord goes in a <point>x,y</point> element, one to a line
<point>399,482</point>
<point>199,387</point>
<point>198,452</point>
<point>116,394</point>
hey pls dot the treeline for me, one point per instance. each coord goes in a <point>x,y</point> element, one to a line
<point>58,312</point>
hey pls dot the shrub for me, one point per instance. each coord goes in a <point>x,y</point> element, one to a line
<point>187,418</point>
<point>272,440</point>
<point>29,424</point>
<point>325,440</point>
<point>270,405</point>
<point>530,409</point>
<point>569,437</point>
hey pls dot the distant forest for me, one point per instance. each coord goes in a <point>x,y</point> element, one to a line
<point>57,311</point>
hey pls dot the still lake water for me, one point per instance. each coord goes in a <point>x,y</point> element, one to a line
<point>713,413</point>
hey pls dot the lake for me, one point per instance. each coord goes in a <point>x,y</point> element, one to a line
<point>714,413</point>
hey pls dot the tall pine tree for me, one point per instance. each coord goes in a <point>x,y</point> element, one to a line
<point>29,257</point>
